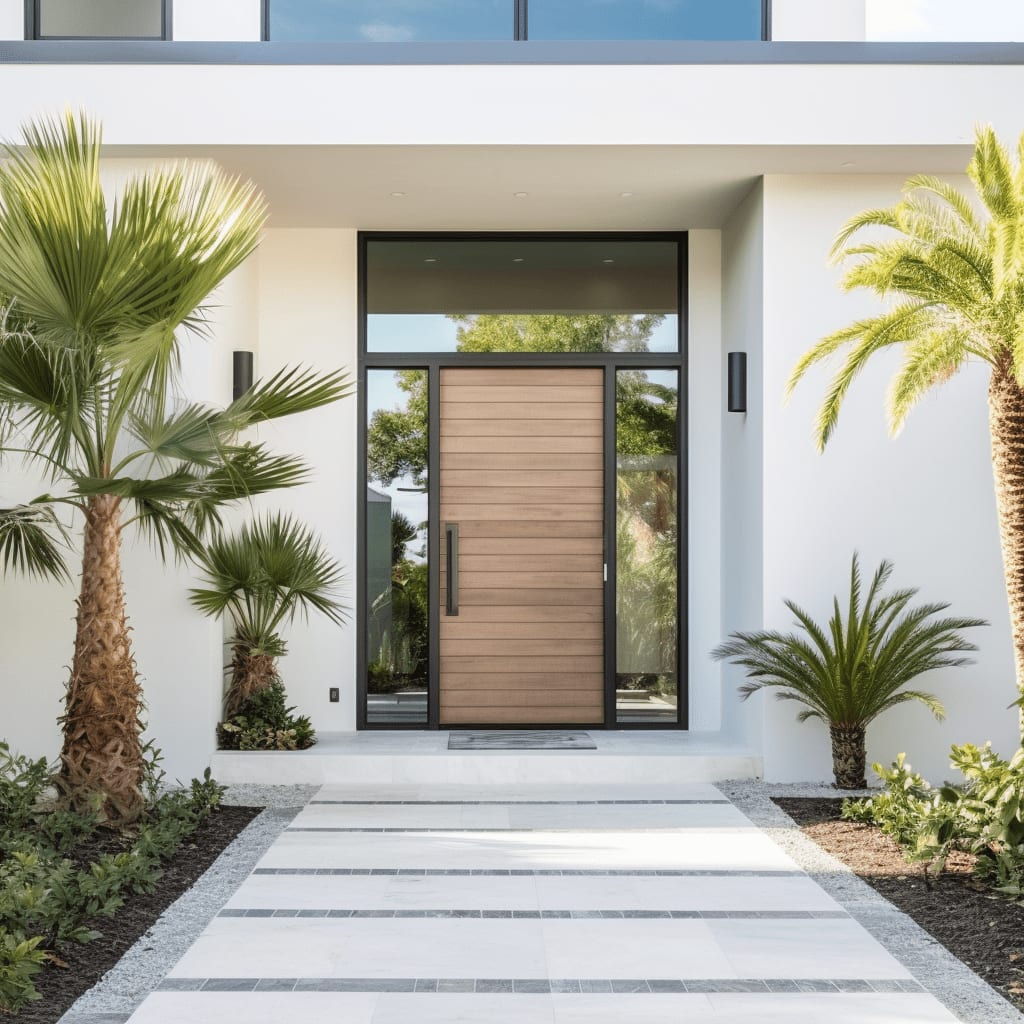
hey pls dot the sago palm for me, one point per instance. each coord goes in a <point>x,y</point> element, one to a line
<point>856,667</point>
<point>262,577</point>
<point>97,292</point>
<point>955,275</point>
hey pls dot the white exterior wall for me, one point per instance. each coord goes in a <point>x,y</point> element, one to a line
<point>742,462</point>
<point>225,20</point>
<point>808,20</point>
<point>925,500</point>
<point>12,19</point>
<point>307,311</point>
<point>704,336</point>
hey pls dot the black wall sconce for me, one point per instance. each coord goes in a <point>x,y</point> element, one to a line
<point>241,376</point>
<point>737,382</point>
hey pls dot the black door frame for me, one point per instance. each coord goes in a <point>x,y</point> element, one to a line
<point>433,363</point>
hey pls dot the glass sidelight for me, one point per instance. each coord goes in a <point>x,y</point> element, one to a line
<point>397,582</point>
<point>647,545</point>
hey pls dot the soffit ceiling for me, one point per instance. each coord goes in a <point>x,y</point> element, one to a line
<point>568,188</point>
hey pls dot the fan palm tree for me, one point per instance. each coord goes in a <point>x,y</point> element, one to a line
<point>88,369</point>
<point>847,673</point>
<point>957,278</point>
<point>265,575</point>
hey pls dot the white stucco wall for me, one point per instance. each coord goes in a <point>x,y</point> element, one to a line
<point>742,459</point>
<point>12,19</point>
<point>704,477</point>
<point>307,311</point>
<point>924,501</point>
<point>819,19</point>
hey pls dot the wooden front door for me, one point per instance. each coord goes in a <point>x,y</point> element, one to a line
<point>522,525</point>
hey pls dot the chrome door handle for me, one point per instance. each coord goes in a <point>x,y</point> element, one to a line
<point>451,533</point>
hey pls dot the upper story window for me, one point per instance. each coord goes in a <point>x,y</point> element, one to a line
<point>99,19</point>
<point>416,21</point>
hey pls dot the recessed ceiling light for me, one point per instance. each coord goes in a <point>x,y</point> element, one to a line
<point>608,259</point>
<point>517,259</point>
<point>399,195</point>
<point>430,259</point>
<point>625,195</point>
<point>520,195</point>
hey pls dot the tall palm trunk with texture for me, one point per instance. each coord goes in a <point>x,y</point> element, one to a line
<point>1006,422</point>
<point>102,751</point>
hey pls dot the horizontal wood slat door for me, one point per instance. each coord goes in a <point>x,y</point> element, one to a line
<point>522,476</point>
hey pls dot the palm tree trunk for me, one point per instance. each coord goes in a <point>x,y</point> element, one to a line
<point>849,756</point>
<point>102,754</point>
<point>250,673</point>
<point>1006,424</point>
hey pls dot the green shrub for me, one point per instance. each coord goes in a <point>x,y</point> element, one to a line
<point>53,888</point>
<point>20,960</point>
<point>265,722</point>
<point>983,816</point>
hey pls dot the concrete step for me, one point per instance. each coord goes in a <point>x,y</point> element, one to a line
<point>635,757</point>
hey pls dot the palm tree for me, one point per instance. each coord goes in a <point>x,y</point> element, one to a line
<point>957,276</point>
<point>848,673</point>
<point>271,571</point>
<point>88,390</point>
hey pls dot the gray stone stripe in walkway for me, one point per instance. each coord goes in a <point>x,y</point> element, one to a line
<point>493,828</point>
<point>541,985</point>
<point>564,872</point>
<point>507,803</point>
<point>706,915</point>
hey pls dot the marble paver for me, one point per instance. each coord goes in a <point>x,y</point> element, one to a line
<point>521,904</point>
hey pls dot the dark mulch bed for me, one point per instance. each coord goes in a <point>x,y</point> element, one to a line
<point>985,932</point>
<point>84,965</point>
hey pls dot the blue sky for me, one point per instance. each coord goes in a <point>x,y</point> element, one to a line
<point>963,20</point>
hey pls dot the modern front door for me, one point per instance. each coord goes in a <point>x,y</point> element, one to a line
<point>522,556</point>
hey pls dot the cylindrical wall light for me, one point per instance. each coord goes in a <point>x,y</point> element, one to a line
<point>241,367</point>
<point>737,382</point>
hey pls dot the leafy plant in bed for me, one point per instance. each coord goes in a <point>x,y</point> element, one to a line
<point>982,816</point>
<point>63,872</point>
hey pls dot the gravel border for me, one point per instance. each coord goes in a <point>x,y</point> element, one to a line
<point>954,984</point>
<point>116,996</point>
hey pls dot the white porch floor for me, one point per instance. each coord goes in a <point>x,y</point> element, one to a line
<point>516,904</point>
<point>422,757</point>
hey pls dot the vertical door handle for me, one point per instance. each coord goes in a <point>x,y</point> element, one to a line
<point>451,533</point>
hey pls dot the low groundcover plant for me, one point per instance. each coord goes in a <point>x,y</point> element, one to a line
<point>62,872</point>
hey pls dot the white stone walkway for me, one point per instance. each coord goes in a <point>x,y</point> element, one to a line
<point>601,904</point>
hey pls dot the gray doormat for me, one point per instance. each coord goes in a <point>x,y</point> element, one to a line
<point>520,740</point>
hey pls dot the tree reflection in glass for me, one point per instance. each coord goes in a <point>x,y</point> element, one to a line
<point>647,544</point>
<point>396,546</point>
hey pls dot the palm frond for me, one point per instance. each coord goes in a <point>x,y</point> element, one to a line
<point>858,665</point>
<point>31,537</point>
<point>289,391</point>
<point>959,262</point>
<point>930,359</point>
<point>271,571</point>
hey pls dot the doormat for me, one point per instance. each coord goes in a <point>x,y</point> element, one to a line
<point>520,740</point>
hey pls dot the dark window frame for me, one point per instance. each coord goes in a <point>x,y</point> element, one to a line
<point>33,21</point>
<point>432,362</point>
<point>520,20</point>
